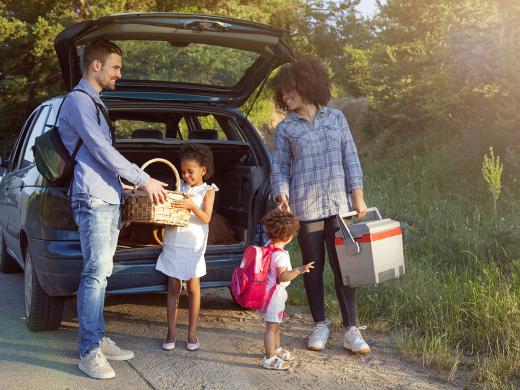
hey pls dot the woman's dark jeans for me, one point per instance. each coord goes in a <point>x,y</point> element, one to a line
<point>312,238</point>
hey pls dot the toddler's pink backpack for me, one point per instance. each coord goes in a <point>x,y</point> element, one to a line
<point>249,281</point>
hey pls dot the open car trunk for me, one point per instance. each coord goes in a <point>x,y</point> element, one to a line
<point>235,175</point>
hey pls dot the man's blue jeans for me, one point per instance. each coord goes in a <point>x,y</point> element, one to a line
<point>98,225</point>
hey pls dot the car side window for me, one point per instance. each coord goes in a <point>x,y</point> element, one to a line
<point>34,131</point>
<point>210,128</point>
<point>16,149</point>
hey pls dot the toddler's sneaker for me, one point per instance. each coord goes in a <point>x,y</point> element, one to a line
<point>113,352</point>
<point>354,342</point>
<point>95,365</point>
<point>319,337</point>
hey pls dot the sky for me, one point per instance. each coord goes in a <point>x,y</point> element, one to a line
<point>368,7</point>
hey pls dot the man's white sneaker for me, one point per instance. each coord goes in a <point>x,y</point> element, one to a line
<point>319,337</point>
<point>113,352</point>
<point>353,341</point>
<point>96,366</point>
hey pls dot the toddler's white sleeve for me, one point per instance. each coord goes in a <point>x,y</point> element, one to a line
<point>281,259</point>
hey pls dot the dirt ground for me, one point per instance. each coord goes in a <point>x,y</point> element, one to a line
<point>233,338</point>
<point>229,358</point>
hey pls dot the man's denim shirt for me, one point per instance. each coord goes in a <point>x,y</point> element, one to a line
<point>98,164</point>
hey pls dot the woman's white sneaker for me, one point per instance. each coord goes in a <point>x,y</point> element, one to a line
<point>319,337</point>
<point>95,365</point>
<point>354,342</point>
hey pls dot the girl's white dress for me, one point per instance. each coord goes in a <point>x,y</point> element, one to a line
<point>274,307</point>
<point>182,256</point>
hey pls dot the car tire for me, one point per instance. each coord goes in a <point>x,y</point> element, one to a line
<point>8,265</point>
<point>42,311</point>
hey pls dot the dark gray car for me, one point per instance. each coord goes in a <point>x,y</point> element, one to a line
<point>184,78</point>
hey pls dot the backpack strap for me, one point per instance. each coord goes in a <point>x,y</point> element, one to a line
<point>101,108</point>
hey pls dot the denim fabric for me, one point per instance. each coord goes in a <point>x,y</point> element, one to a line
<point>98,163</point>
<point>98,225</point>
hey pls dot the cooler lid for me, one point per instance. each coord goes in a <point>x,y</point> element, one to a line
<point>361,229</point>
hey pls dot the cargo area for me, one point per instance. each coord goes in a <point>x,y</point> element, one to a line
<point>236,176</point>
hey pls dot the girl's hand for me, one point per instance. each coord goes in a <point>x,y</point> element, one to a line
<point>186,203</point>
<point>306,268</point>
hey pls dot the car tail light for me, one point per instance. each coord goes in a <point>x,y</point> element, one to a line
<point>56,211</point>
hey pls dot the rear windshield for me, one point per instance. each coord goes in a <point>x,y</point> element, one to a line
<point>194,63</point>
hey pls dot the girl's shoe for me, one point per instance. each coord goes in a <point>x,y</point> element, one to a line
<point>168,346</point>
<point>284,354</point>
<point>193,346</point>
<point>274,363</point>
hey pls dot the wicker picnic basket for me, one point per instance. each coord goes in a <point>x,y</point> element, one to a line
<point>138,207</point>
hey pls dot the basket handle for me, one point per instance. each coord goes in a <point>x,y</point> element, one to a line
<point>175,172</point>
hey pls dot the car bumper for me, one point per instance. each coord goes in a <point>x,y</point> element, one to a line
<point>58,266</point>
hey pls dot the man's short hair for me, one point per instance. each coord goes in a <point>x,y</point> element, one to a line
<point>99,49</point>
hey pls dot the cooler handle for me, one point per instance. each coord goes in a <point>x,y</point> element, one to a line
<point>345,231</point>
<point>354,213</point>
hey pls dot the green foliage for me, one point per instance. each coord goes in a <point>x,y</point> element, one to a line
<point>492,172</point>
<point>447,64</point>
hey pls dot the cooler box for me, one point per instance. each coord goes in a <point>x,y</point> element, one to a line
<point>369,252</point>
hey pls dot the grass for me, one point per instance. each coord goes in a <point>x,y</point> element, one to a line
<point>459,303</point>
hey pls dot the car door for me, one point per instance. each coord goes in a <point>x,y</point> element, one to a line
<point>22,166</point>
<point>8,177</point>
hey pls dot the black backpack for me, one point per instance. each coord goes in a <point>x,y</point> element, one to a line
<point>50,154</point>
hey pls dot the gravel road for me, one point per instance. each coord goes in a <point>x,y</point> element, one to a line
<point>229,358</point>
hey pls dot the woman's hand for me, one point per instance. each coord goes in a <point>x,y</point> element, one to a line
<point>186,203</point>
<point>358,203</point>
<point>283,203</point>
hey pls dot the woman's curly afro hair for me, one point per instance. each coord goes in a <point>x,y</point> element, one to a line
<point>309,77</point>
<point>200,153</point>
<point>280,225</point>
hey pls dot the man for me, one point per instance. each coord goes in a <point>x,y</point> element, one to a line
<point>96,194</point>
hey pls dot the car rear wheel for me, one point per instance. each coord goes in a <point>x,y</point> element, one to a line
<point>7,263</point>
<point>42,311</point>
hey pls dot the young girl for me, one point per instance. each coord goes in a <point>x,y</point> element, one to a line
<point>182,257</point>
<point>280,227</point>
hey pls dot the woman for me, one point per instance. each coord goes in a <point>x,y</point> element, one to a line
<point>315,168</point>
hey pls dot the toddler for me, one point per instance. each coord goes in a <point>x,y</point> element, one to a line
<point>280,227</point>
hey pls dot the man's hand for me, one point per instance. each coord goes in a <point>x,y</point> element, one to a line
<point>358,203</point>
<point>155,190</point>
<point>283,203</point>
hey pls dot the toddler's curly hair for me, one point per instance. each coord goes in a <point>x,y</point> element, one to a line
<point>280,225</point>
<point>202,154</point>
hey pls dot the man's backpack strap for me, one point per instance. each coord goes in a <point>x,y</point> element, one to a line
<point>101,108</point>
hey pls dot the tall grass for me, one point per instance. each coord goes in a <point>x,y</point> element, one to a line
<point>459,302</point>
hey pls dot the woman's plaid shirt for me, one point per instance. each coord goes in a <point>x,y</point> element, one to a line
<point>315,167</point>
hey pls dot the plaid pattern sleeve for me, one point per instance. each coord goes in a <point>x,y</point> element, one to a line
<point>281,162</point>
<point>351,164</point>
<point>317,167</point>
